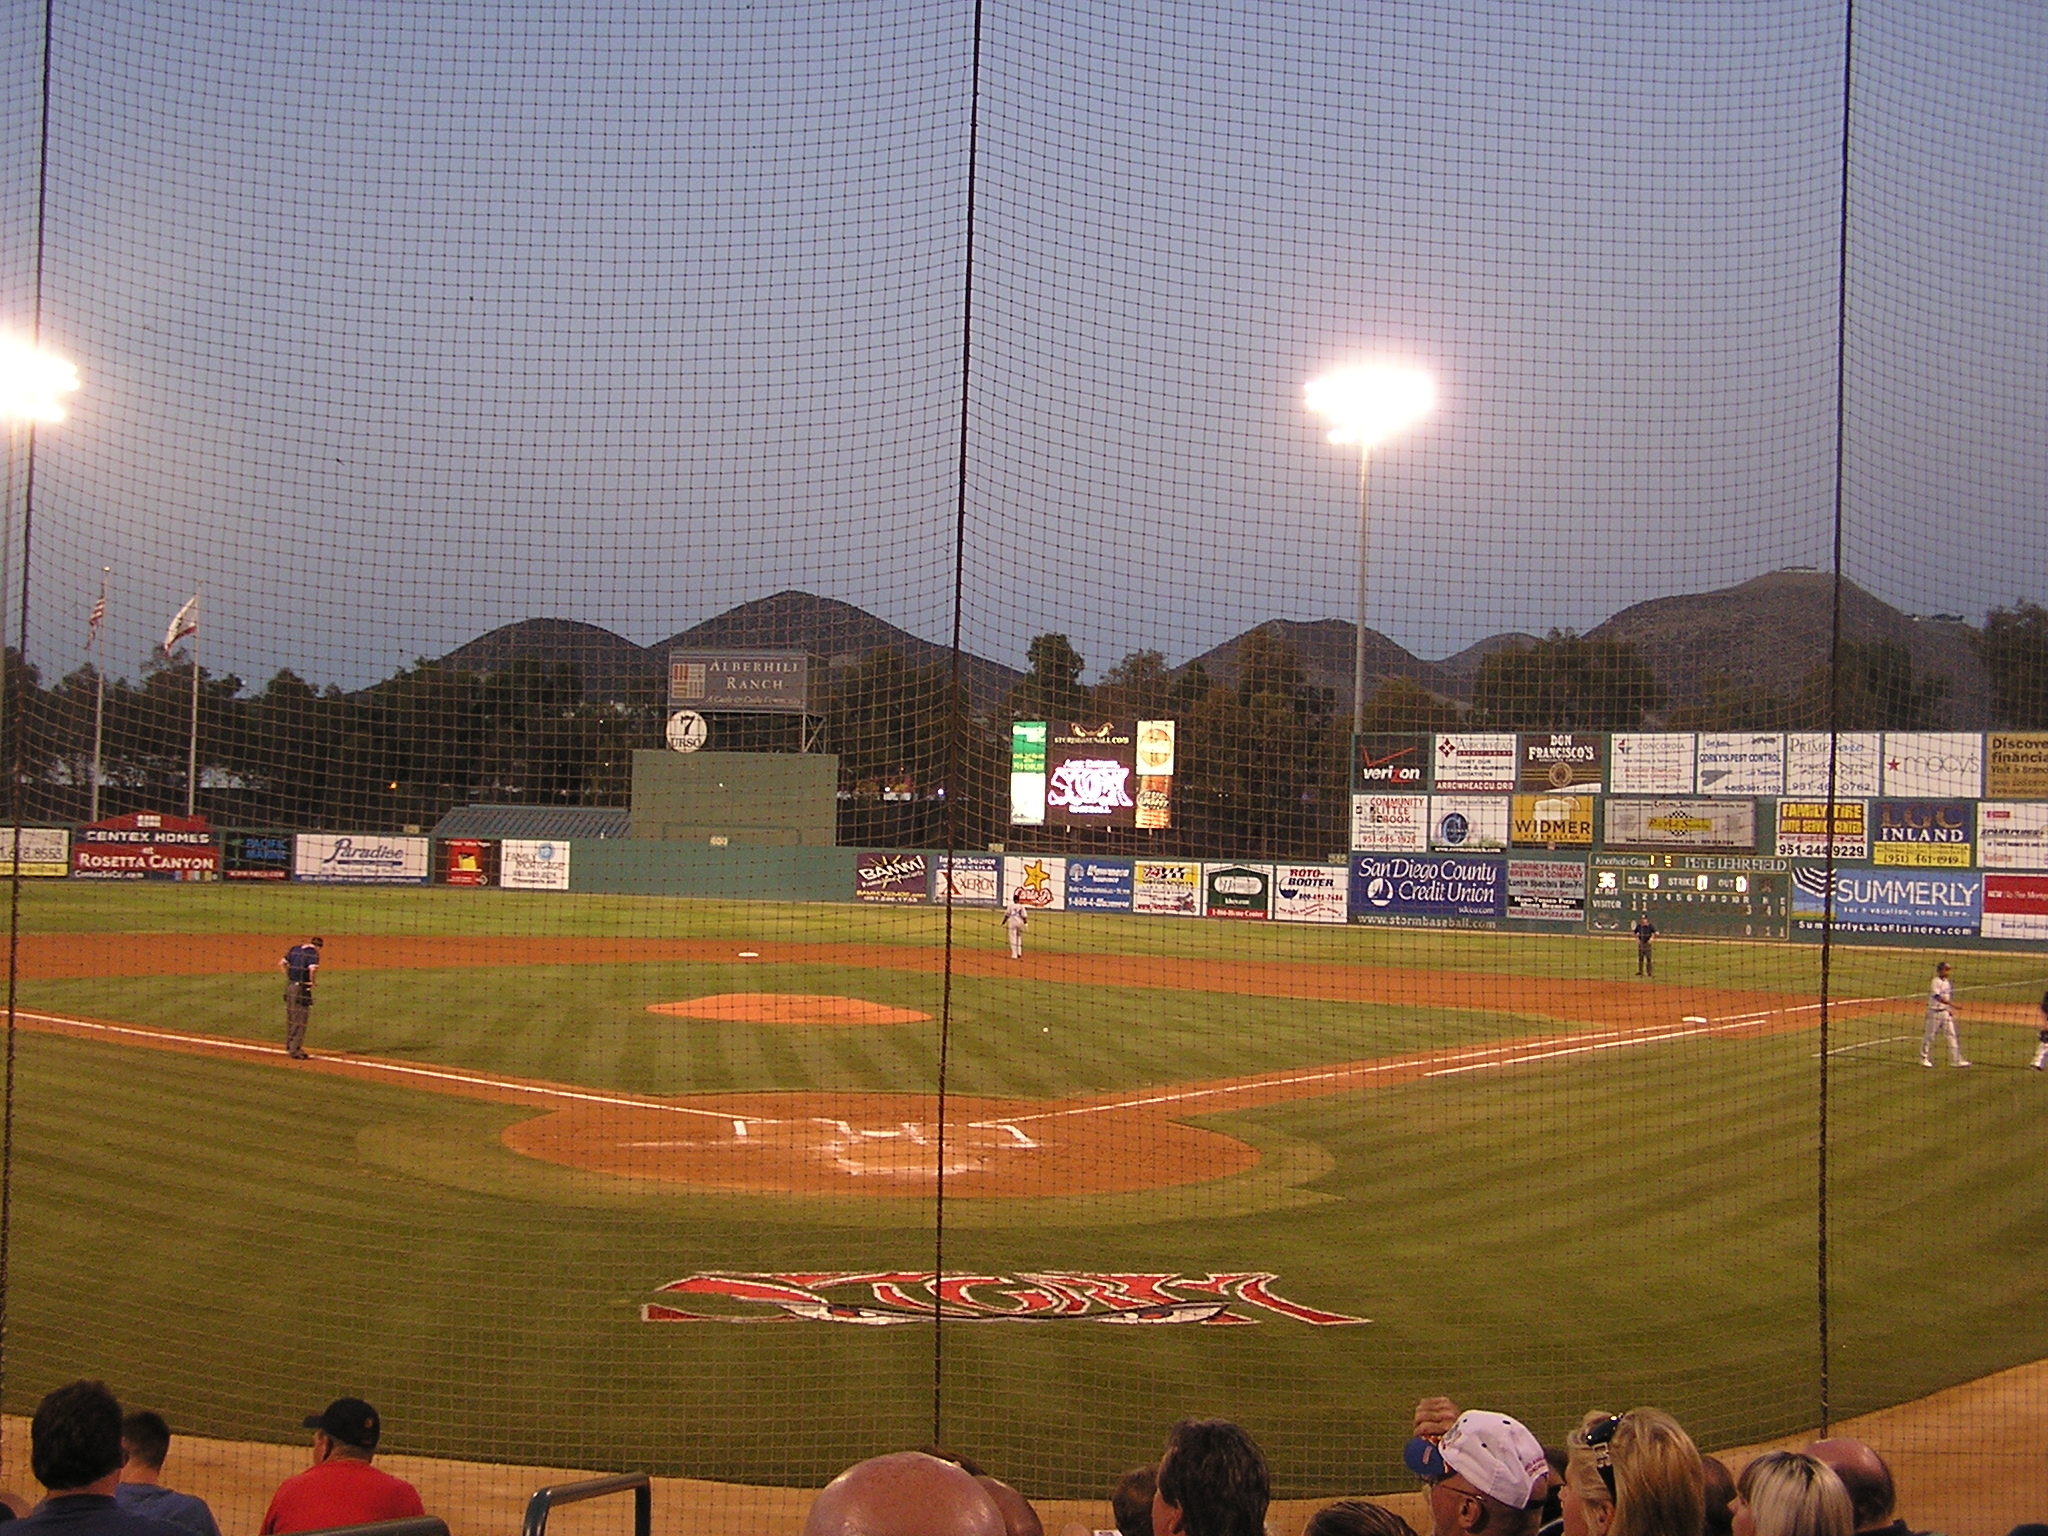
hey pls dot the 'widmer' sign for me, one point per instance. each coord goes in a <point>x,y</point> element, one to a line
<point>761,682</point>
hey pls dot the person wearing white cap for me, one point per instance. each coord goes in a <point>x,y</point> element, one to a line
<point>1486,1474</point>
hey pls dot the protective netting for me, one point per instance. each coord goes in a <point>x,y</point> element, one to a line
<point>767,583</point>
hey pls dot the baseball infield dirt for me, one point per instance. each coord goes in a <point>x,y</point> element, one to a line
<point>788,1008</point>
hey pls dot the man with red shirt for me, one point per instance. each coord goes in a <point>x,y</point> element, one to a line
<point>341,1487</point>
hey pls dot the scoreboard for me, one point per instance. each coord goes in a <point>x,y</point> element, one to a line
<point>1711,903</point>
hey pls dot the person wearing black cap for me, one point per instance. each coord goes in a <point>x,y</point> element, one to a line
<point>341,1487</point>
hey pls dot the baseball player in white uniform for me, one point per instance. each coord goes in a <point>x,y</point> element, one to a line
<point>1014,919</point>
<point>1941,1019</point>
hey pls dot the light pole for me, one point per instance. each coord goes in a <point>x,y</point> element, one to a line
<point>1365,405</point>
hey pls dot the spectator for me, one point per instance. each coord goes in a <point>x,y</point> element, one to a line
<point>1132,1500</point>
<point>1587,1502</point>
<point>1786,1493</point>
<point>146,1439</point>
<point>1356,1517</point>
<point>1212,1482</point>
<point>1720,1490</point>
<point>1653,1470</point>
<point>75,1453</point>
<point>1019,1518</point>
<point>1486,1472</point>
<point>904,1494</point>
<point>341,1487</point>
<point>1868,1481</point>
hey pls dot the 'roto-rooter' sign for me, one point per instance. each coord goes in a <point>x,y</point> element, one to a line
<point>145,846</point>
<point>1427,890</point>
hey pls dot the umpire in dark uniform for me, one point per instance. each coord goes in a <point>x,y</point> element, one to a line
<point>300,964</point>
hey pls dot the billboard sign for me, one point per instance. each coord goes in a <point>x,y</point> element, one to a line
<point>145,845</point>
<point>1859,760</point>
<point>1468,823</point>
<point>364,858</point>
<point>1929,765</point>
<point>1390,823</point>
<point>533,864</point>
<point>1155,775</point>
<point>1551,821</point>
<point>1037,882</point>
<point>466,861</point>
<point>1238,890</point>
<point>1091,773</point>
<point>1694,825</point>
<point>751,682</point>
<point>892,878</point>
<point>1475,762</point>
<point>1651,763</point>
<point>2012,834</point>
<point>1740,763</point>
<point>1427,891</point>
<point>1563,760</point>
<point>1027,773</point>
<point>256,855</point>
<point>2016,765</point>
<point>45,851</point>
<point>1547,890</point>
<point>1803,829</point>
<point>1310,893</point>
<point>1876,901</point>
<point>2015,907</point>
<point>1933,834</point>
<point>1098,885</point>
<point>1166,889</point>
<point>1383,762</point>
<point>970,879</point>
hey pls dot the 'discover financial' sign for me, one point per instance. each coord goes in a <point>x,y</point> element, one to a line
<point>361,858</point>
<point>2016,765</point>
<point>1427,890</point>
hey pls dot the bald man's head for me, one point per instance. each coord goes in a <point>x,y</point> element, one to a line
<point>905,1494</point>
<point>1019,1518</point>
<point>1864,1474</point>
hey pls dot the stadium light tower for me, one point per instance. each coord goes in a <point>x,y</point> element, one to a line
<point>1365,405</point>
<point>33,383</point>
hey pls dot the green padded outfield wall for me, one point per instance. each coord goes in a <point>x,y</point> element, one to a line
<point>752,799</point>
<point>640,867</point>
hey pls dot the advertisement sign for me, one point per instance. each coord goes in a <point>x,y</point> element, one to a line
<point>256,855</point>
<point>1547,890</point>
<point>467,861</point>
<point>971,879</point>
<point>1390,823</point>
<point>145,845</point>
<point>45,851</point>
<point>1037,882</point>
<point>1238,890</point>
<point>1382,762</point>
<point>1741,763</point>
<point>1651,763</point>
<point>2016,765</point>
<point>1709,903</point>
<point>2012,835</point>
<point>1926,833</point>
<point>533,864</point>
<point>1098,885</point>
<point>2015,907</point>
<point>1428,891</point>
<point>1859,762</point>
<point>1660,826</point>
<point>1027,773</point>
<point>1166,889</point>
<point>1563,761</point>
<point>1310,893</point>
<point>1155,775</point>
<point>1090,773</point>
<point>360,858</point>
<point>753,682</point>
<point>893,878</point>
<point>1930,765</point>
<point>1870,901</point>
<point>1551,821</point>
<point>1803,829</point>
<point>1479,763</point>
<point>1468,823</point>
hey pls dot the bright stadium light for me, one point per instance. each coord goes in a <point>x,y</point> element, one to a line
<point>33,383</point>
<point>1365,405</point>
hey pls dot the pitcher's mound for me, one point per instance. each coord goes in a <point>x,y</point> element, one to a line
<point>788,1008</point>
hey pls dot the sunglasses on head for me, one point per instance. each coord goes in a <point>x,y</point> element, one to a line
<point>1600,1441</point>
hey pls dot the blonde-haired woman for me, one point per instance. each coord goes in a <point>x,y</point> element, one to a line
<point>1783,1493</point>
<point>1648,1468</point>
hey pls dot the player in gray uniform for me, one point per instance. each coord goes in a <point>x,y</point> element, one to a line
<point>1941,1019</point>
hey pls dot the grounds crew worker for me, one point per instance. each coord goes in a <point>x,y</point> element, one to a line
<point>299,965</point>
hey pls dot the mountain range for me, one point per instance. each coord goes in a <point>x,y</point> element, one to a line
<point>1771,631</point>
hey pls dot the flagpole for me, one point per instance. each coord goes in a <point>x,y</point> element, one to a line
<point>192,748</point>
<point>99,701</point>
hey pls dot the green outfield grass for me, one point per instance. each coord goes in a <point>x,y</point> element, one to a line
<point>232,1241</point>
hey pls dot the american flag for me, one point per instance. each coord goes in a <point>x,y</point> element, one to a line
<point>99,617</point>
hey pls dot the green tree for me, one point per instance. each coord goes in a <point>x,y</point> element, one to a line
<point>1566,682</point>
<point>1880,691</point>
<point>2014,648</point>
<point>1402,704</point>
<point>1732,706</point>
<point>1052,689</point>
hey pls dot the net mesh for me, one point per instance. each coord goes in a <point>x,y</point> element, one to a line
<point>765,582</point>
